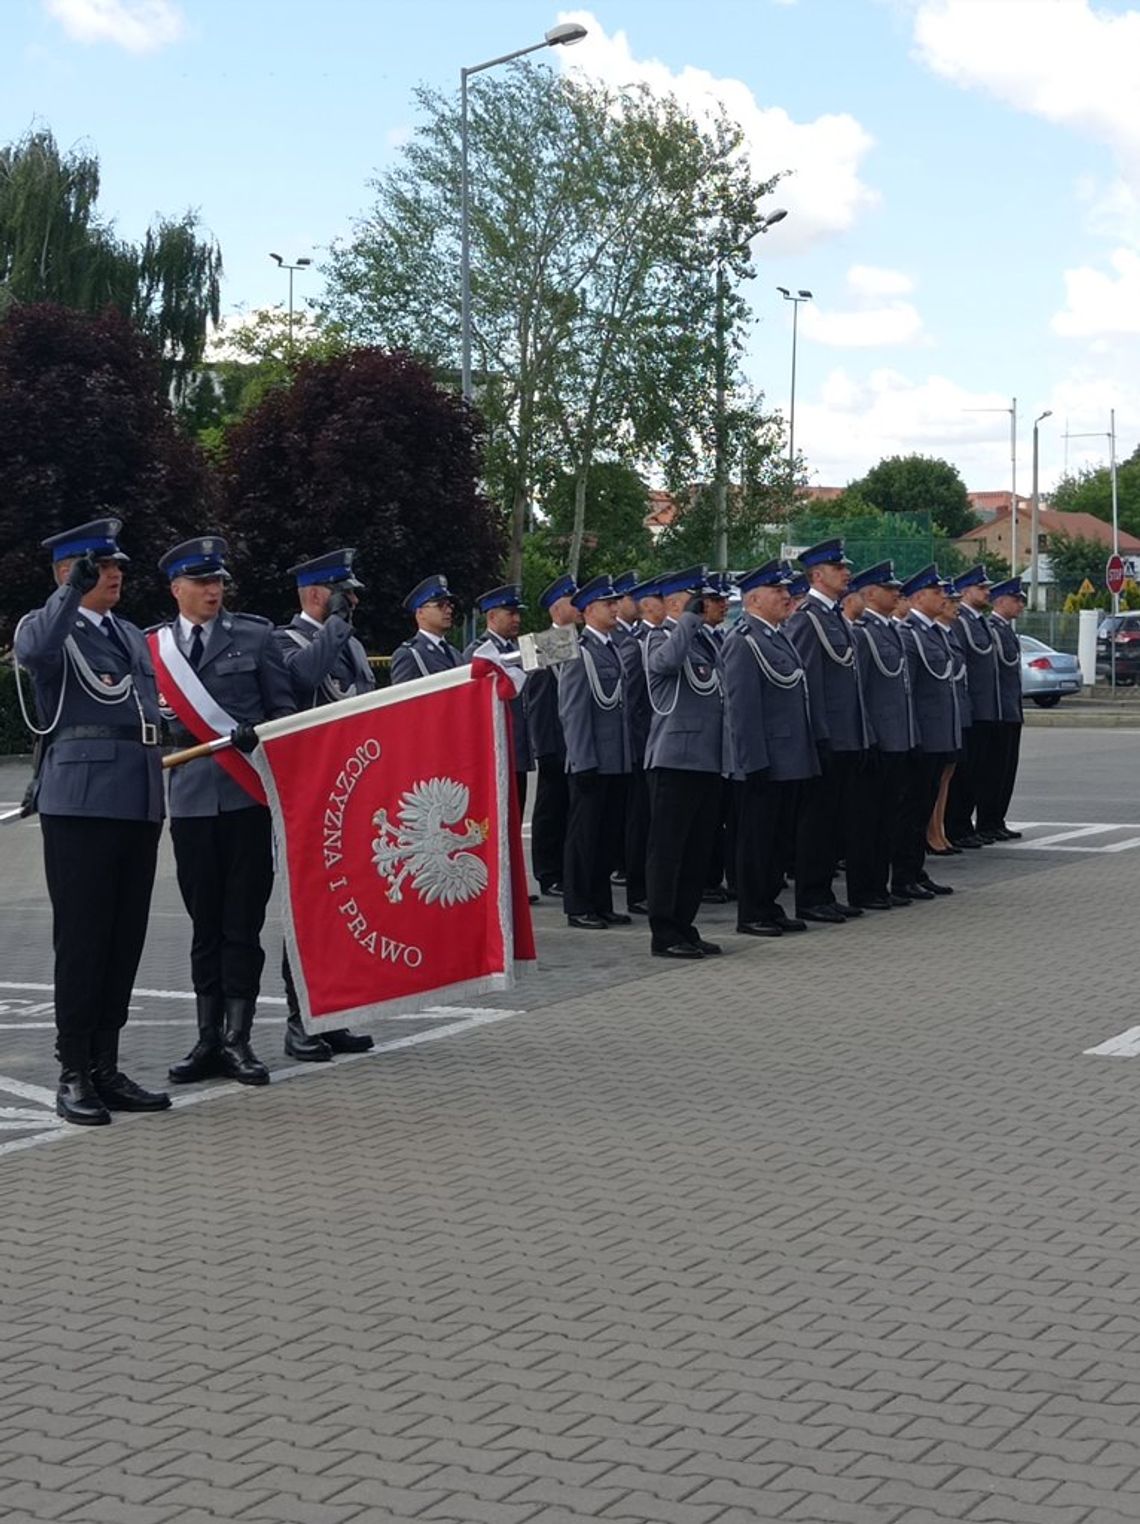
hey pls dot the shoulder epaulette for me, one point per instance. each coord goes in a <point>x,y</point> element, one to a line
<point>252,618</point>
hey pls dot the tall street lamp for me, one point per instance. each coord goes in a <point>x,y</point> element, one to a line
<point>795,299</point>
<point>298,264</point>
<point>1033,529</point>
<point>563,35</point>
<point>1100,434</point>
<point>1012,411</point>
<point>720,478</point>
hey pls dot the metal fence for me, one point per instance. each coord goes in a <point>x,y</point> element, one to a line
<point>1055,629</point>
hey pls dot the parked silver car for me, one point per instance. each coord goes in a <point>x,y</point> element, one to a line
<point>1047,675</point>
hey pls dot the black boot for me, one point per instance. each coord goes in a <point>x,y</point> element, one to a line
<point>237,1057</point>
<point>204,1059</point>
<point>301,1045</point>
<point>341,1040</point>
<point>76,1100</point>
<point>115,1089</point>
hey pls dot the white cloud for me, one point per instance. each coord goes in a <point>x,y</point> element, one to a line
<point>139,26</point>
<point>824,194</point>
<point>874,322</point>
<point>1098,304</point>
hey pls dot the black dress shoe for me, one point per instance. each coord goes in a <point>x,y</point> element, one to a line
<point>615,918</point>
<point>305,1047</point>
<point>926,882</point>
<point>971,842</point>
<point>848,912</point>
<point>709,949</point>
<point>940,851</point>
<point>586,922</point>
<point>828,915</point>
<point>341,1040</point>
<point>638,907</point>
<point>678,950</point>
<point>915,892</point>
<point>553,890</point>
<point>533,899</point>
<point>760,929</point>
<point>120,1093</point>
<point>1005,834</point>
<point>899,900</point>
<point>788,923</point>
<point>715,897</point>
<point>873,902</point>
<point>76,1100</point>
<point>987,838</point>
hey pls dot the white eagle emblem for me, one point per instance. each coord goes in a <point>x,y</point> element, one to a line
<point>421,843</point>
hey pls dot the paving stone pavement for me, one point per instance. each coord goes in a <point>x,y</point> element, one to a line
<point>839,1227</point>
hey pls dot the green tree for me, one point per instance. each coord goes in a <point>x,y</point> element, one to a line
<point>616,505</point>
<point>592,255</point>
<point>1090,491</point>
<point>1075,559</point>
<point>55,247</point>
<point>919,484</point>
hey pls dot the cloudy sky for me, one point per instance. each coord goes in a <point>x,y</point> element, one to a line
<point>963,180</point>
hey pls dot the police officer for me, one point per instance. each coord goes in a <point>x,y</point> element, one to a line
<point>99,785</point>
<point>626,626</point>
<point>433,608</point>
<point>1007,600</point>
<point>933,665</point>
<point>551,794</point>
<point>326,663</point>
<point>502,607</point>
<point>228,668</point>
<point>595,726</point>
<point>826,647</point>
<point>884,673</point>
<point>773,749</point>
<point>979,745</point>
<point>685,759</point>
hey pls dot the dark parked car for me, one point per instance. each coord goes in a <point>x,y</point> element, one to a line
<point>1047,675</point>
<point>1122,632</point>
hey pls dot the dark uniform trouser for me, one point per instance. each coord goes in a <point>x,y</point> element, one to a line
<point>636,836</point>
<point>971,778</point>
<point>597,806</point>
<point>99,875</point>
<point>684,808</point>
<point>548,824</point>
<point>1007,753</point>
<point>924,773</point>
<point>763,814</point>
<point>225,873</point>
<point>876,791</point>
<point>822,826</point>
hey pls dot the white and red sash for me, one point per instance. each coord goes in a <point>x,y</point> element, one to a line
<point>181,689</point>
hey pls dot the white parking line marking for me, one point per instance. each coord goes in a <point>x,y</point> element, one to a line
<point>27,1092</point>
<point>1047,841</point>
<point>1126,1045</point>
<point>6,984</point>
<point>33,1140</point>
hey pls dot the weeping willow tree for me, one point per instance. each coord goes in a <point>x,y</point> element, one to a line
<point>55,247</point>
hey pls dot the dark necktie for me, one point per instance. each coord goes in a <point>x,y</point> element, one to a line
<point>114,637</point>
<point>197,641</point>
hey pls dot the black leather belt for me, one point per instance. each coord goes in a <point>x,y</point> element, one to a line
<point>145,734</point>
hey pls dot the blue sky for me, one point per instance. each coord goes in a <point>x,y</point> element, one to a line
<point>964,199</point>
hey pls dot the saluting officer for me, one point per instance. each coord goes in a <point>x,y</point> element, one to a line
<point>595,726</point>
<point>773,749</point>
<point>685,760</point>
<point>326,663</point>
<point>428,650</point>
<point>826,647</point>
<point>638,715</point>
<point>551,794</point>
<point>1007,600</point>
<point>979,744</point>
<point>933,664</point>
<point>227,670</point>
<point>503,607</point>
<point>884,672</point>
<point>99,786</point>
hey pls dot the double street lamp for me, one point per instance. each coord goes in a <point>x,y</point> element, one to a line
<point>1033,521</point>
<point>795,298</point>
<point>563,35</point>
<point>298,264</point>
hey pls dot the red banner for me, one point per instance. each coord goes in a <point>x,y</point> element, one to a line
<point>398,833</point>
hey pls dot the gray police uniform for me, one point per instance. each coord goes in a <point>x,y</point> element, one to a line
<point>635,689</point>
<point>421,656</point>
<point>884,676</point>
<point>976,768</point>
<point>523,756</point>
<point>222,835</point>
<point>1008,729</point>
<point>685,758</point>
<point>325,661</point>
<point>933,664</point>
<point>101,808</point>
<point>828,806</point>
<point>595,726</point>
<point>773,753</point>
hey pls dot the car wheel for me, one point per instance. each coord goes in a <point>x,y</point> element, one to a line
<point>1046,700</point>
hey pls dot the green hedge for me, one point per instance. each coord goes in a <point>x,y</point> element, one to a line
<point>14,738</point>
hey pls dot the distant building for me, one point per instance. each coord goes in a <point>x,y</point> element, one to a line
<point>992,538</point>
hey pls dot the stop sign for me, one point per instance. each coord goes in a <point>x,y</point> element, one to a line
<point>1114,574</point>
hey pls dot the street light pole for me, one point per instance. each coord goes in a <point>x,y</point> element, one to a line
<point>1012,411</point>
<point>1100,434</point>
<point>1034,596</point>
<point>799,296</point>
<point>298,264</point>
<point>563,35</point>
<point>720,471</point>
